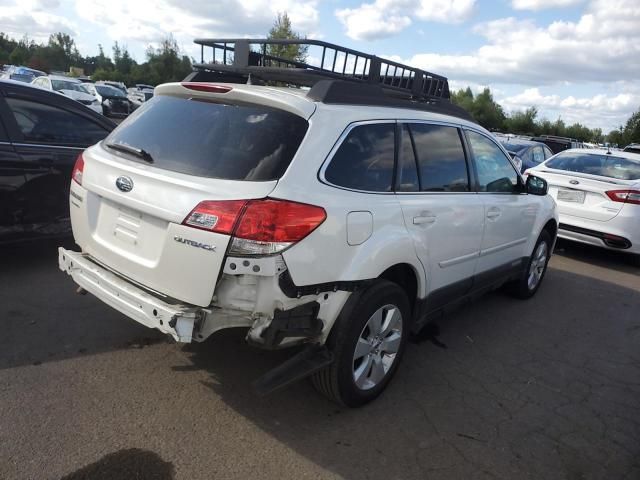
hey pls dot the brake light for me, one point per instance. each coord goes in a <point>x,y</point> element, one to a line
<point>206,87</point>
<point>78,168</point>
<point>258,227</point>
<point>625,196</point>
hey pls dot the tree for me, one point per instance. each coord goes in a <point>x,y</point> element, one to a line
<point>483,108</point>
<point>523,122</point>
<point>282,30</point>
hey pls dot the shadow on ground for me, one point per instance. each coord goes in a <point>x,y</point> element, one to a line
<point>133,464</point>
<point>43,319</point>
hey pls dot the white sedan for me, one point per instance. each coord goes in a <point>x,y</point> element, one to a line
<point>598,196</point>
<point>70,87</point>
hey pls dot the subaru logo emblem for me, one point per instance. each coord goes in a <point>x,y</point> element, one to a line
<point>574,182</point>
<point>124,184</point>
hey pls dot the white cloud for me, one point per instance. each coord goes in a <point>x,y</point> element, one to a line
<point>602,46</point>
<point>601,110</point>
<point>28,17</point>
<point>125,20</point>
<point>542,4</point>
<point>384,18</point>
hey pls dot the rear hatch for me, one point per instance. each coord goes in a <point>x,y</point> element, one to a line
<point>179,149</point>
<point>582,182</point>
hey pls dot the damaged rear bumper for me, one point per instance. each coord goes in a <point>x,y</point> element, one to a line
<point>173,319</point>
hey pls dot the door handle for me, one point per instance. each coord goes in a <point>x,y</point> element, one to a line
<point>493,213</point>
<point>424,218</point>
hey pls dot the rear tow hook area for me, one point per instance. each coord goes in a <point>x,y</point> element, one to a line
<point>311,359</point>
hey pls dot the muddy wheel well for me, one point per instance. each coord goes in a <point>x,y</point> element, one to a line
<point>404,276</point>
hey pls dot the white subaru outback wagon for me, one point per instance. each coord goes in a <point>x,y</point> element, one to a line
<point>338,219</point>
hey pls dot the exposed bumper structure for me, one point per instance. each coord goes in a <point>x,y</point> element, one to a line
<point>173,319</point>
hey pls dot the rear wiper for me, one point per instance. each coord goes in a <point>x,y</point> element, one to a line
<point>136,152</point>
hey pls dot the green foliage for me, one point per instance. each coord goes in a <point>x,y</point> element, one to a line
<point>164,64</point>
<point>483,108</point>
<point>488,113</point>
<point>282,30</point>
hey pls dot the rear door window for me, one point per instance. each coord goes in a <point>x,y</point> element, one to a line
<point>215,140</point>
<point>596,164</point>
<point>496,174</point>
<point>365,159</point>
<point>441,160</point>
<point>41,123</point>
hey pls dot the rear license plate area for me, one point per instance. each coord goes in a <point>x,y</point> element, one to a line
<point>571,196</point>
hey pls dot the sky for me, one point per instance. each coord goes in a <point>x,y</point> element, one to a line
<point>574,59</point>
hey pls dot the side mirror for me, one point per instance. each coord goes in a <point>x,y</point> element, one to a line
<point>537,185</point>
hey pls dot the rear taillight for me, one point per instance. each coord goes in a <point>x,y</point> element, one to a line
<point>258,227</point>
<point>206,87</point>
<point>625,196</point>
<point>78,168</point>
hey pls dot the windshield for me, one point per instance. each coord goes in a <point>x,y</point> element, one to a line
<point>596,164</point>
<point>232,142</point>
<point>66,85</point>
<point>107,91</point>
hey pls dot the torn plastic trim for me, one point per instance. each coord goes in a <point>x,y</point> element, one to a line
<point>299,324</point>
<point>291,290</point>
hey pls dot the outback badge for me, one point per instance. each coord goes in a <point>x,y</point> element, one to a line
<point>193,243</point>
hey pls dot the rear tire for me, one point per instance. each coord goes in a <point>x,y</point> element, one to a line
<point>527,285</point>
<point>367,341</point>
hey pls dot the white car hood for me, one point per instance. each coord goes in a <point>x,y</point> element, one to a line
<point>77,95</point>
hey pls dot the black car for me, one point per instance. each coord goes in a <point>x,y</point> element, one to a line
<point>531,153</point>
<point>558,144</point>
<point>41,135</point>
<point>632,147</point>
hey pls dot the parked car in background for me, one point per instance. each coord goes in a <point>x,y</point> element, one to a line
<point>526,153</point>
<point>558,144</point>
<point>113,102</point>
<point>117,85</point>
<point>139,94</point>
<point>70,87</point>
<point>21,74</point>
<point>41,135</point>
<point>598,196</point>
<point>632,148</point>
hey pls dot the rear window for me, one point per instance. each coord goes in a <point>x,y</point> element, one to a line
<point>365,159</point>
<point>206,139</point>
<point>596,164</point>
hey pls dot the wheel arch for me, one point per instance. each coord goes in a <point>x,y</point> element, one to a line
<point>406,277</point>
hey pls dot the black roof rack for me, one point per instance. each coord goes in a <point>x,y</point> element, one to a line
<point>338,74</point>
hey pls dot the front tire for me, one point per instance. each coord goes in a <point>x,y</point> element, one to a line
<point>367,341</point>
<point>527,285</point>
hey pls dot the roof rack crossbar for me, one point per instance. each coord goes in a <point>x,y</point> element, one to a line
<point>258,57</point>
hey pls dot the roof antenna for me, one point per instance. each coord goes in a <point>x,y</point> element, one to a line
<point>249,80</point>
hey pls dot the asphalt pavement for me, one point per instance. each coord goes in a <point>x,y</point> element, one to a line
<point>542,389</point>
